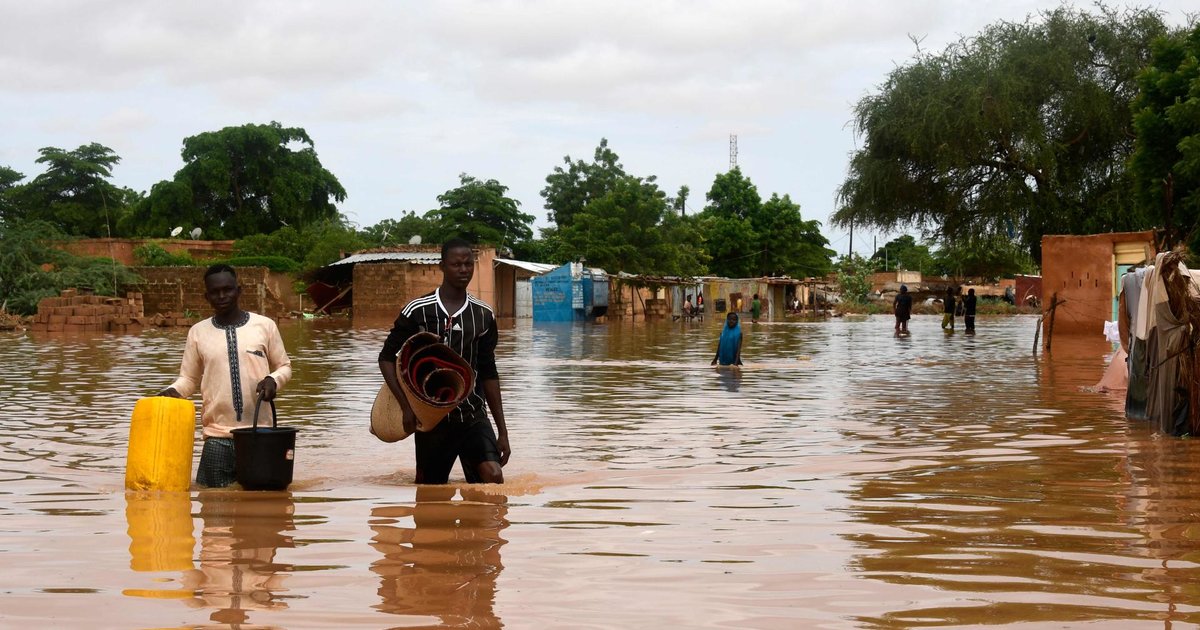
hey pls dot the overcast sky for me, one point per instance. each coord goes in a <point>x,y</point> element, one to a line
<point>401,97</point>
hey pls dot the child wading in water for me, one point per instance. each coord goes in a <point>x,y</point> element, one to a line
<point>729,347</point>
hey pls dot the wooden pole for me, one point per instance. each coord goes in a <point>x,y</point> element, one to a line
<point>1037,334</point>
<point>1050,328</point>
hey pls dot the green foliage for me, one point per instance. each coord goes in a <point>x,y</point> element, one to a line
<point>390,232</point>
<point>1165,166</point>
<point>479,212</point>
<point>547,248</point>
<point>240,181</point>
<point>615,220</point>
<point>102,275</point>
<point>153,255</point>
<point>31,269</point>
<point>789,245</point>
<point>854,278</point>
<point>747,237</point>
<point>311,247</point>
<point>904,252</point>
<point>623,231</point>
<point>993,257</point>
<point>274,263</point>
<point>1020,131</point>
<point>9,185</point>
<point>568,190</point>
<point>74,194</point>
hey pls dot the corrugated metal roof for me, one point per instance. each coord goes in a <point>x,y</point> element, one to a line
<point>538,268</point>
<point>420,258</point>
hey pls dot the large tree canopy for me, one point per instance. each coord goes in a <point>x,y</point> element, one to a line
<point>569,189</point>
<point>1166,160</point>
<point>239,181</point>
<point>1021,131</point>
<point>74,194</point>
<point>480,212</point>
<point>630,228</point>
<point>749,238</point>
<point>616,221</point>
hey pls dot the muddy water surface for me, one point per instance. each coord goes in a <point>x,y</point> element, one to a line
<point>843,478</point>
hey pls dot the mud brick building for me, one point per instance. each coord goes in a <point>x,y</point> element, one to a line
<point>1084,271</point>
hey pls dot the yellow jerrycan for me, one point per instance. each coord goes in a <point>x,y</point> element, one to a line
<point>160,444</point>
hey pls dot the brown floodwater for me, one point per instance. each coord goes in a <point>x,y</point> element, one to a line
<point>844,478</point>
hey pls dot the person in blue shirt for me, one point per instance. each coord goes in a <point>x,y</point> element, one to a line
<point>729,347</point>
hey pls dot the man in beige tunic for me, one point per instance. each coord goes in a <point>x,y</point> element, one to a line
<point>231,358</point>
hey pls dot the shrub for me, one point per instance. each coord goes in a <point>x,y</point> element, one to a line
<point>274,263</point>
<point>153,255</point>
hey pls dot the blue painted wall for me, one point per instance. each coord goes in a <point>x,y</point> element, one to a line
<point>569,293</point>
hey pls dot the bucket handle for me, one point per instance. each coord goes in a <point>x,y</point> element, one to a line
<point>258,404</point>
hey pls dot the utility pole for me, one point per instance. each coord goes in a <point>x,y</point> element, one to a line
<point>732,151</point>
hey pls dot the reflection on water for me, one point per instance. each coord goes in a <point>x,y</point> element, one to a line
<point>841,478</point>
<point>441,557</point>
<point>240,535</point>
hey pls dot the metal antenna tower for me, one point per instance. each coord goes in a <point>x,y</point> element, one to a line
<point>732,151</point>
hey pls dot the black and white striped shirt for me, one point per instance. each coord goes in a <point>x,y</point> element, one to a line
<point>471,332</point>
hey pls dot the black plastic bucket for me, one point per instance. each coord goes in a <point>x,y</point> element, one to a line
<point>265,456</point>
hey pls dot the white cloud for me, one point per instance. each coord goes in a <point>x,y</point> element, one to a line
<point>401,96</point>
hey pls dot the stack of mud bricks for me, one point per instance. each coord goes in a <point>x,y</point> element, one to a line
<point>656,308</point>
<point>89,313</point>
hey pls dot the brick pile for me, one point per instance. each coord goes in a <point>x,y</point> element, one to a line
<point>657,308</point>
<point>71,312</point>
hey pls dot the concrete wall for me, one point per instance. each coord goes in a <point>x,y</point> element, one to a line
<point>1081,270</point>
<point>121,249</point>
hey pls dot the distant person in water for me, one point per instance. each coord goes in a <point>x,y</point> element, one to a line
<point>755,309</point>
<point>729,347</point>
<point>230,358</point>
<point>969,310</point>
<point>902,307</point>
<point>948,311</point>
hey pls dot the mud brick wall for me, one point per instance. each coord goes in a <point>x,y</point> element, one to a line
<point>181,289</point>
<point>88,313</point>
<point>121,249</point>
<point>382,289</point>
<point>1082,271</point>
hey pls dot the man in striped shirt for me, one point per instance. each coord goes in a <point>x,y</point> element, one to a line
<point>468,326</point>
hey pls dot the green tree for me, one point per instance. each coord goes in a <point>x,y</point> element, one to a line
<point>312,246</point>
<point>74,194</point>
<point>480,212</point>
<point>789,245</point>
<point>1165,166</point>
<point>631,228</point>
<point>1021,130</point>
<point>252,179</point>
<point>389,232</point>
<point>991,257</point>
<point>747,237</point>
<point>903,252</point>
<point>547,248</point>
<point>569,189</point>
<point>32,269</point>
<point>9,185</point>
<point>854,278</point>
<point>729,234</point>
